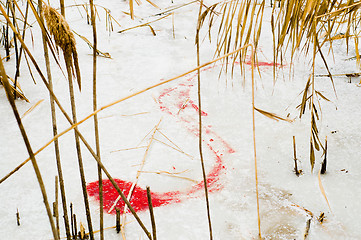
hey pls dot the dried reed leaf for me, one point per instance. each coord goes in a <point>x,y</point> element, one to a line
<point>322,96</point>
<point>100,53</point>
<point>32,108</point>
<point>312,155</point>
<point>304,97</point>
<point>323,190</point>
<point>272,115</point>
<point>153,4</point>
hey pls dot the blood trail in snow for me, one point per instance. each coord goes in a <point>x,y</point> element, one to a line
<point>177,102</point>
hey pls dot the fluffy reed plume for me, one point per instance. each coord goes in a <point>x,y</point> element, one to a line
<point>63,37</point>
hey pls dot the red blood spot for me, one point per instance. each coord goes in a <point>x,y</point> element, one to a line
<point>196,108</point>
<point>211,140</point>
<point>138,200</point>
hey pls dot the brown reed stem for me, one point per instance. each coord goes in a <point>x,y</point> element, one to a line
<point>68,60</point>
<point>56,204</point>
<point>78,149</point>
<point>55,130</point>
<point>254,147</point>
<point>324,162</point>
<point>23,37</point>
<point>10,97</point>
<point>11,6</point>
<point>7,43</point>
<point>96,126</point>
<point>200,141</point>
<point>17,217</point>
<point>72,221</point>
<point>117,220</point>
<point>295,157</point>
<point>152,219</point>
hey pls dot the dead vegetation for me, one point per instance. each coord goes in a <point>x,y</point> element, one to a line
<point>305,26</point>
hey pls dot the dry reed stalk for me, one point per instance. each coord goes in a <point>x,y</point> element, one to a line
<point>58,25</point>
<point>55,131</point>
<point>254,145</point>
<point>63,37</point>
<point>324,162</point>
<point>117,220</point>
<point>295,157</point>
<point>17,217</point>
<point>56,206</point>
<point>152,219</point>
<point>200,140</point>
<point>73,126</point>
<point>28,147</point>
<point>131,9</point>
<point>96,128</point>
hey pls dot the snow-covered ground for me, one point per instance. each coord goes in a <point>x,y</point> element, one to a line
<point>140,60</point>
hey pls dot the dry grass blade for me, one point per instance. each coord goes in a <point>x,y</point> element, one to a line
<point>63,37</point>
<point>18,91</point>
<point>323,190</point>
<point>312,155</point>
<point>170,174</point>
<point>100,53</point>
<point>32,108</point>
<point>272,115</point>
<point>145,24</point>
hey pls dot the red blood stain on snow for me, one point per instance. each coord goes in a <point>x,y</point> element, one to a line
<point>139,197</point>
<point>174,101</point>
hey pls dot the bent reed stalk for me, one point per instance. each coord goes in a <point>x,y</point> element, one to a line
<point>10,97</point>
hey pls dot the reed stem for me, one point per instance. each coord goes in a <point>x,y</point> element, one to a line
<point>55,130</point>
<point>96,125</point>
<point>200,140</point>
<point>10,97</point>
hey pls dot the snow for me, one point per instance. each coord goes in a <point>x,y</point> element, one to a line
<point>140,60</point>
